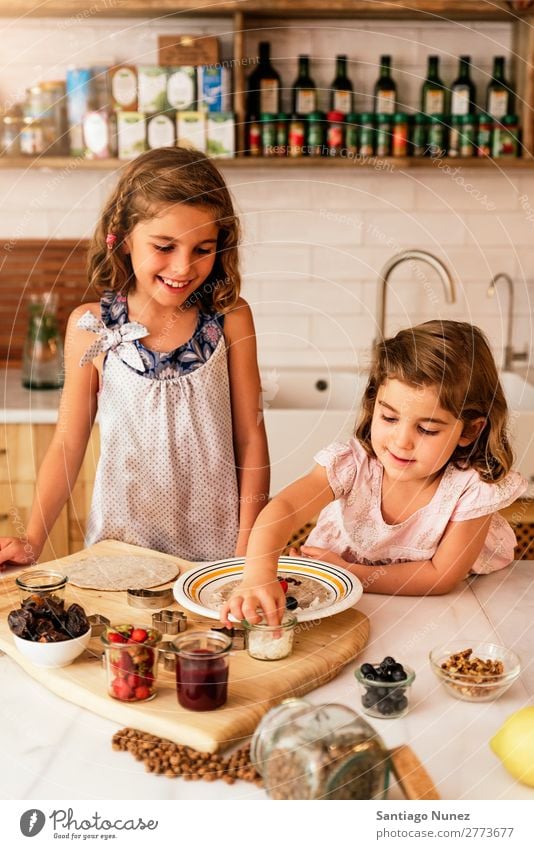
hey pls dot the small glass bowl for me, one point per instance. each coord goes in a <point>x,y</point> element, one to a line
<point>41,583</point>
<point>467,687</point>
<point>270,642</point>
<point>385,699</point>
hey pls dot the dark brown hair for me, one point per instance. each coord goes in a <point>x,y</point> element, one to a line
<point>154,180</point>
<point>455,358</point>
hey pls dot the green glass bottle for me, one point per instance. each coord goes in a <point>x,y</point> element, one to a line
<point>433,94</point>
<point>341,88</point>
<point>304,90</point>
<point>463,91</point>
<point>263,85</point>
<point>499,99</point>
<point>385,93</point>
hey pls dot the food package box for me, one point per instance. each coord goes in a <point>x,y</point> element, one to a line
<point>191,130</point>
<point>100,134</point>
<point>221,134</point>
<point>78,102</point>
<point>152,88</point>
<point>122,81</point>
<point>182,88</point>
<point>188,50</point>
<point>131,134</point>
<point>214,88</point>
<point>161,130</point>
<point>100,93</point>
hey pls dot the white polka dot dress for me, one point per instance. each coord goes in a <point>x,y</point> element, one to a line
<point>166,478</point>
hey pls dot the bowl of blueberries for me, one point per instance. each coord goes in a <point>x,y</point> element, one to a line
<point>385,688</point>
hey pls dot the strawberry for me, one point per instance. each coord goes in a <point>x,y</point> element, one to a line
<point>138,635</point>
<point>115,637</point>
<point>121,689</point>
<point>134,681</point>
<point>142,693</point>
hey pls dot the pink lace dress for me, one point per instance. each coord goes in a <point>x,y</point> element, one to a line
<point>353,527</point>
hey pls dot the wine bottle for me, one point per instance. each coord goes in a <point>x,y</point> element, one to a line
<point>385,89</point>
<point>341,88</point>
<point>463,91</point>
<point>304,91</point>
<point>499,100</point>
<point>433,91</point>
<point>263,85</point>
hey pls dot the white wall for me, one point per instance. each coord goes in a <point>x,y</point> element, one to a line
<point>314,238</point>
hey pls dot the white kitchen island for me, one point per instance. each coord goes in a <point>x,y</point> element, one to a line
<point>52,749</point>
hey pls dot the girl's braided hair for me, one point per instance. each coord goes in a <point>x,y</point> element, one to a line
<point>156,179</point>
<point>454,357</point>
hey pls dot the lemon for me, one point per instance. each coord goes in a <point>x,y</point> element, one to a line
<point>514,745</point>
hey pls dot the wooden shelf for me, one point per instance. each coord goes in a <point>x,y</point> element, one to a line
<point>59,163</point>
<point>435,9</point>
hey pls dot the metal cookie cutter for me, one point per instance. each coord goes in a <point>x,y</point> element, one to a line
<point>169,621</point>
<point>237,635</point>
<point>98,624</point>
<point>151,599</point>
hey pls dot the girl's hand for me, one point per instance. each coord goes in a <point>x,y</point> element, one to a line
<point>323,554</point>
<point>17,552</point>
<point>248,597</point>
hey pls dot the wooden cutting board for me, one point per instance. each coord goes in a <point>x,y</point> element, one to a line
<point>321,651</point>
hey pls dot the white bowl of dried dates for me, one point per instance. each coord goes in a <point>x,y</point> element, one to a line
<point>475,671</point>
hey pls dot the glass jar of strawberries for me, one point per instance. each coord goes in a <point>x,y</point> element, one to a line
<point>131,662</point>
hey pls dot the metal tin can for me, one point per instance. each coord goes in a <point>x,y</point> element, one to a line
<point>351,133</point>
<point>296,136</point>
<point>484,135</point>
<point>281,134</point>
<point>436,136</point>
<point>367,134</point>
<point>419,135</point>
<point>268,134</point>
<point>316,133</point>
<point>384,135</point>
<point>335,134</point>
<point>467,135</point>
<point>506,137</point>
<point>400,134</point>
<point>254,137</point>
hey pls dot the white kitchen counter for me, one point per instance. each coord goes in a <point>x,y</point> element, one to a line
<point>52,749</point>
<point>25,406</point>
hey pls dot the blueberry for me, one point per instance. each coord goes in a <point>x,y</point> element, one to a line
<point>397,673</point>
<point>369,699</point>
<point>291,602</point>
<point>386,707</point>
<point>368,671</point>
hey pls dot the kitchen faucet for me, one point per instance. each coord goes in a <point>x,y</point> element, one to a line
<point>405,256</point>
<point>510,356</point>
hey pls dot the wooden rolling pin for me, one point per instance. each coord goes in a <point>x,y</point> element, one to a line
<point>411,774</point>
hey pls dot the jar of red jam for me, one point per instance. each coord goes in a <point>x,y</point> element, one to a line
<point>202,659</point>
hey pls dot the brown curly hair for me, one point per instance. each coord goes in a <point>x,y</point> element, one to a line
<point>155,179</point>
<point>455,357</point>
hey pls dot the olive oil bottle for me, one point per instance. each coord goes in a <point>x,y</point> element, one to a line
<point>304,90</point>
<point>385,93</point>
<point>433,93</point>
<point>341,88</point>
<point>264,85</point>
<point>499,99</point>
<point>463,91</point>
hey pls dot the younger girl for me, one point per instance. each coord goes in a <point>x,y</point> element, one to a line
<point>168,358</point>
<point>410,503</point>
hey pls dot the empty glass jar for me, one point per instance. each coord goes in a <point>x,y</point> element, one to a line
<point>305,751</point>
<point>42,359</point>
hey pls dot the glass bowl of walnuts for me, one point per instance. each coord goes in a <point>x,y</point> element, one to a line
<point>475,671</point>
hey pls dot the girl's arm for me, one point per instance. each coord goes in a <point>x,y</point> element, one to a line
<point>288,511</point>
<point>458,550</point>
<point>250,441</point>
<point>65,453</point>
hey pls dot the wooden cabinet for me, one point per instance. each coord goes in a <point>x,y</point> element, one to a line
<point>250,15</point>
<point>22,448</point>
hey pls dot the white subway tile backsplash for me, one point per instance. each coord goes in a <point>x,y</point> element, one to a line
<point>263,258</point>
<point>405,228</point>
<point>312,227</point>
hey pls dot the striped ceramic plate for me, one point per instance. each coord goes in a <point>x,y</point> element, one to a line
<point>326,589</point>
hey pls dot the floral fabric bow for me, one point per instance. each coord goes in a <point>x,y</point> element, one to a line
<point>119,339</point>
